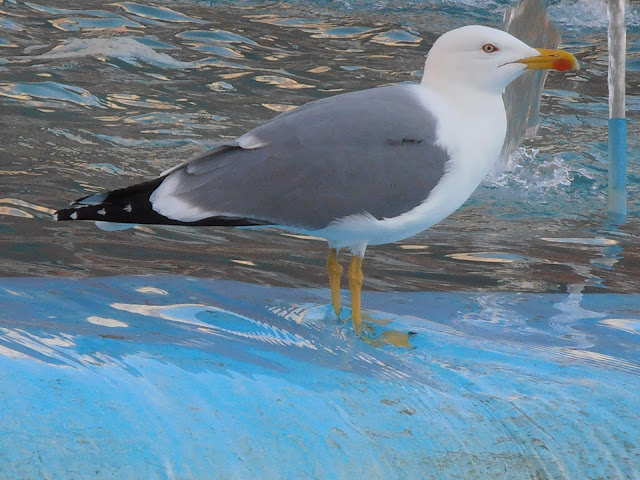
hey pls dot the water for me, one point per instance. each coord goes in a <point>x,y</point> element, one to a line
<point>96,96</point>
<point>523,305</point>
<point>174,377</point>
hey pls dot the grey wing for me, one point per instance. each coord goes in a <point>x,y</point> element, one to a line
<point>371,151</point>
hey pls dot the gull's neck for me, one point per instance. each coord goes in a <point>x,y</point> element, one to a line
<point>466,99</point>
<point>473,122</point>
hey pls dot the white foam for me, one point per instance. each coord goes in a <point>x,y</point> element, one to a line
<point>525,171</point>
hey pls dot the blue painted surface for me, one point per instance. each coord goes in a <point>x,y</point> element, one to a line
<point>177,377</point>
<point>618,167</point>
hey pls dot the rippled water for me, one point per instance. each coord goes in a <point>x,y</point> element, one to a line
<point>167,377</point>
<point>98,95</point>
<point>502,343</point>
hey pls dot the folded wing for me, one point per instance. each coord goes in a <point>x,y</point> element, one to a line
<point>373,151</point>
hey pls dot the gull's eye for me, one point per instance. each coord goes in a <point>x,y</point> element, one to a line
<point>489,48</point>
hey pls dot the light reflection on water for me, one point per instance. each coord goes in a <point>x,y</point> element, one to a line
<point>517,384</point>
<point>100,96</point>
<point>503,380</point>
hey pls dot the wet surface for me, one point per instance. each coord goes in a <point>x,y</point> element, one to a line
<point>101,96</point>
<point>180,377</point>
<point>502,343</point>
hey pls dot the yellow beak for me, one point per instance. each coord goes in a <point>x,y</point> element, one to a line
<point>554,59</point>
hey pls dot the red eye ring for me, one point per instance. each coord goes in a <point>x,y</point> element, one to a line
<point>489,48</point>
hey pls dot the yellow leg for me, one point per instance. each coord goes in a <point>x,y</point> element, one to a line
<point>335,272</point>
<point>355,285</point>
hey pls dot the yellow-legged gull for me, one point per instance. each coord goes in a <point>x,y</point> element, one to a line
<point>361,168</point>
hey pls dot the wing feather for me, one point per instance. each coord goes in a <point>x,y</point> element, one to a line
<point>373,151</point>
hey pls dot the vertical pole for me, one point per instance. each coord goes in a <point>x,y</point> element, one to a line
<point>617,120</point>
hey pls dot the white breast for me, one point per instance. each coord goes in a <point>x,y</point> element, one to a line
<point>472,129</point>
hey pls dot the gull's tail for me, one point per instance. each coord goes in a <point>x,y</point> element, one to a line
<point>132,205</point>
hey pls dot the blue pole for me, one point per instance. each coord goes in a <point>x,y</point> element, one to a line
<point>617,122</point>
<point>618,168</point>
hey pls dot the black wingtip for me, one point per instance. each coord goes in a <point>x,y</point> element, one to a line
<point>132,205</point>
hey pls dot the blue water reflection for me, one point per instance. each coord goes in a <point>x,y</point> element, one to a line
<point>202,375</point>
<point>469,372</point>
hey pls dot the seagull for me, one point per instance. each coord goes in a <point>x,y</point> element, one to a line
<point>361,168</point>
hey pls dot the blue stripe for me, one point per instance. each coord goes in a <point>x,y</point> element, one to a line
<point>618,168</point>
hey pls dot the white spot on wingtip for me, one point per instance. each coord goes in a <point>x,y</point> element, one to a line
<point>55,217</point>
<point>127,208</point>
<point>102,211</point>
<point>74,216</point>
